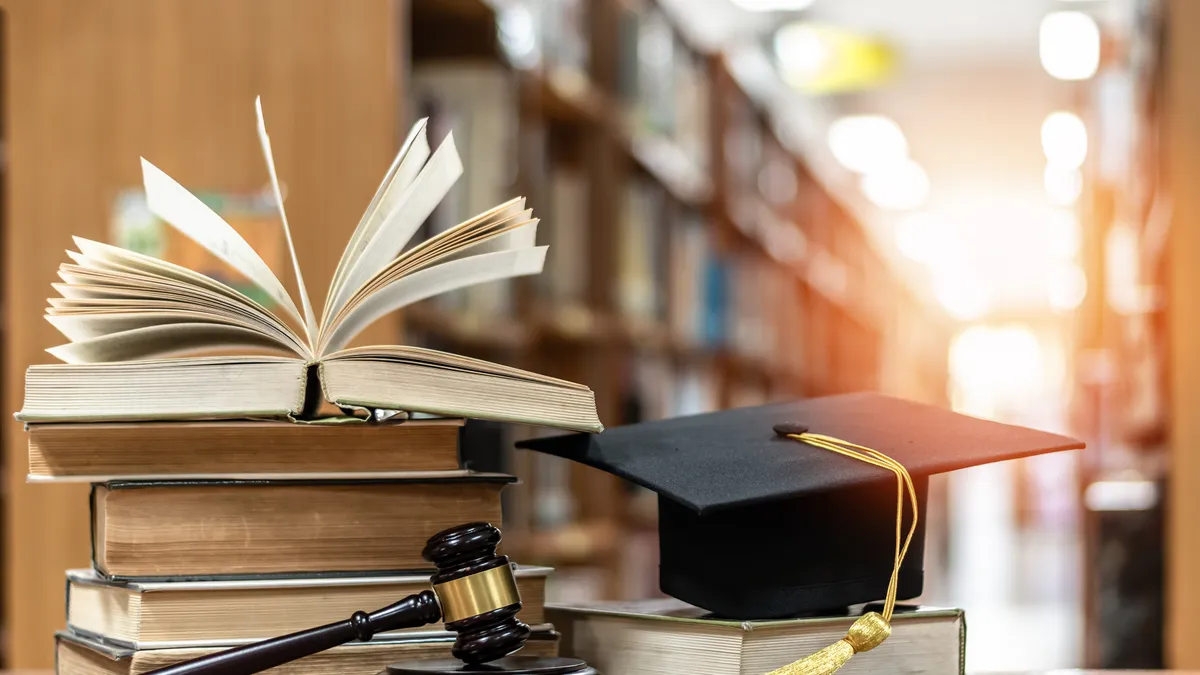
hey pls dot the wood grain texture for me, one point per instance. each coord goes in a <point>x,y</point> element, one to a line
<point>90,87</point>
<point>1182,148</point>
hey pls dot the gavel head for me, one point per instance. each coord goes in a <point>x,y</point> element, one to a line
<point>477,591</point>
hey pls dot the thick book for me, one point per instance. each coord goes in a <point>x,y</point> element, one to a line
<point>136,324</point>
<point>211,528</point>
<point>77,654</point>
<point>156,615</point>
<point>99,452</point>
<point>669,636</point>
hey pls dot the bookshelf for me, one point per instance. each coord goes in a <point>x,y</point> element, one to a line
<point>90,87</point>
<point>695,263</point>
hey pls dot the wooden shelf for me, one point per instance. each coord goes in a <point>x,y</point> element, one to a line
<point>575,121</point>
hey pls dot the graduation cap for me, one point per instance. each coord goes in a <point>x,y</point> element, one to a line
<point>758,519</point>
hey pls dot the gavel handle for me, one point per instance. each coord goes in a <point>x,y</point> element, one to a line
<point>415,610</point>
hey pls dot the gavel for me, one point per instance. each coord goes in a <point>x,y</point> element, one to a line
<point>474,591</point>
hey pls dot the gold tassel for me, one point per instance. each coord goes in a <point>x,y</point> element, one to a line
<point>872,628</point>
<point>865,634</point>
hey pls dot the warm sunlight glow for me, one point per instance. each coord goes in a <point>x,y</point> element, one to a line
<point>1069,45</point>
<point>1063,235</point>
<point>1002,362</point>
<point>1007,357</point>
<point>1064,140</point>
<point>773,5</point>
<point>1063,184</point>
<point>926,238</point>
<point>961,292</point>
<point>1067,287</point>
<point>900,187</point>
<point>867,143</point>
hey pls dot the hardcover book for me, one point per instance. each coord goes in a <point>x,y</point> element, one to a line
<point>96,453</point>
<point>229,528</point>
<point>670,636</point>
<point>134,322</point>
<point>161,614</point>
<point>83,655</point>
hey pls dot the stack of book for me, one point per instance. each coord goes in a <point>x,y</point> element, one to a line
<point>218,518</point>
<point>207,535</point>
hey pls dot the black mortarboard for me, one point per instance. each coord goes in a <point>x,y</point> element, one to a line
<point>754,525</point>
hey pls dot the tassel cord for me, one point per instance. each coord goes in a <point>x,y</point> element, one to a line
<point>871,629</point>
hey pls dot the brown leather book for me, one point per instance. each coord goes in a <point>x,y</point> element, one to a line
<point>212,528</point>
<point>162,614</point>
<point>97,452</point>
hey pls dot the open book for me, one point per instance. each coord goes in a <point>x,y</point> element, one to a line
<point>125,313</point>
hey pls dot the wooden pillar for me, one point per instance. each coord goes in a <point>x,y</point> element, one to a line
<point>90,87</point>
<point>1182,158</point>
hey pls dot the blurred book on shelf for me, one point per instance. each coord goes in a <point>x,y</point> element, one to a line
<point>565,279</point>
<point>695,262</point>
<point>642,277</point>
<point>689,250</point>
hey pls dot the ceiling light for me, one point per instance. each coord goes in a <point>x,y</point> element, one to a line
<point>867,143</point>
<point>819,58</point>
<point>900,187</point>
<point>772,5</point>
<point>1063,185</point>
<point>1064,140</point>
<point>1069,45</point>
<point>804,52</point>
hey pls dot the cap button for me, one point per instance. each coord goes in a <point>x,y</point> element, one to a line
<point>790,428</point>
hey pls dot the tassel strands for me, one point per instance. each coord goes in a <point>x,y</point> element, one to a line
<point>871,629</point>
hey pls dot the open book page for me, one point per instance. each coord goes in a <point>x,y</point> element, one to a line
<point>310,325</point>
<point>412,156</point>
<point>89,284</point>
<point>120,282</point>
<point>411,209</point>
<point>100,258</point>
<point>411,277</point>
<point>160,341</point>
<point>433,281</point>
<point>182,210</point>
<point>110,307</point>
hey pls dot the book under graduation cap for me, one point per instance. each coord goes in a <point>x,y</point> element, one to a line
<point>798,508</point>
<point>124,312</point>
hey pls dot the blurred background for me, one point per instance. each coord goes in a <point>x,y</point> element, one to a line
<point>981,205</point>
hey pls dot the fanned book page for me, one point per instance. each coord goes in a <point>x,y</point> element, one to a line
<point>143,332</point>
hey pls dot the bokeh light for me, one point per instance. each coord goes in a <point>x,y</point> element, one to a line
<point>1064,140</point>
<point>1063,184</point>
<point>867,143</point>
<point>901,187</point>
<point>1069,45</point>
